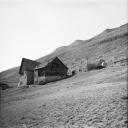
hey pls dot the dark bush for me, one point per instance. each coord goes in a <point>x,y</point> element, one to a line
<point>100,67</point>
<point>4,86</point>
<point>73,72</point>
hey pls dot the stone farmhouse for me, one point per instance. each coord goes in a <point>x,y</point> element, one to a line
<point>33,72</point>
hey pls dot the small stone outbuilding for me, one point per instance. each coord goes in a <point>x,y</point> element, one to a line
<point>26,72</point>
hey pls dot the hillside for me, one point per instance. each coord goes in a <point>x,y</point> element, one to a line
<point>111,45</point>
<point>94,99</point>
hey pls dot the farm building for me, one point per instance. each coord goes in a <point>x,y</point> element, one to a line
<point>26,72</point>
<point>50,71</point>
<point>33,72</point>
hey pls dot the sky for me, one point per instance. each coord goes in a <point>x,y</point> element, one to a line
<point>35,28</point>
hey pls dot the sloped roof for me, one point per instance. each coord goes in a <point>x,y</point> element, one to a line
<point>42,65</point>
<point>27,64</point>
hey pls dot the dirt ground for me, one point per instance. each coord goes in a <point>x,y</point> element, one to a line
<point>94,99</point>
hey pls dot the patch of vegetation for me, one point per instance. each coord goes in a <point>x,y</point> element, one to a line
<point>4,86</point>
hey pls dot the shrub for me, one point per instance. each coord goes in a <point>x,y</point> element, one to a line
<point>73,72</point>
<point>4,86</point>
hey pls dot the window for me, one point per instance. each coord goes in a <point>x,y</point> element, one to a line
<point>41,72</point>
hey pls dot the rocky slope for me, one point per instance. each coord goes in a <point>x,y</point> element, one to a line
<point>94,99</point>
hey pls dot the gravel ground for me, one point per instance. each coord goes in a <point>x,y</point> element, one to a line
<point>101,104</point>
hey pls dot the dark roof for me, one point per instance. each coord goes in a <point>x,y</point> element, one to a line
<point>42,65</point>
<point>27,64</point>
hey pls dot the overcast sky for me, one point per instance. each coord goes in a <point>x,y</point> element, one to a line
<point>34,28</point>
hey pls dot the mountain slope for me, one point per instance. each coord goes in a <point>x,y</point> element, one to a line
<point>111,45</point>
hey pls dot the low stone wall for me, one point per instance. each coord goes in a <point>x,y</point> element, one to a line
<point>46,79</point>
<point>52,78</point>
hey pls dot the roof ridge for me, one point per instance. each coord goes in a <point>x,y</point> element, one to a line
<point>49,61</point>
<point>25,59</point>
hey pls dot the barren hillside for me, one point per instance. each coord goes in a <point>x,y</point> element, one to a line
<point>111,45</point>
<point>94,99</point>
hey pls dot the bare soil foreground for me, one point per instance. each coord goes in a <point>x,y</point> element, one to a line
<point>94,99</point>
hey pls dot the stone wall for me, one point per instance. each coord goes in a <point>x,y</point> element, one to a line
<point>23,80</point>
<point>46,79</point>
